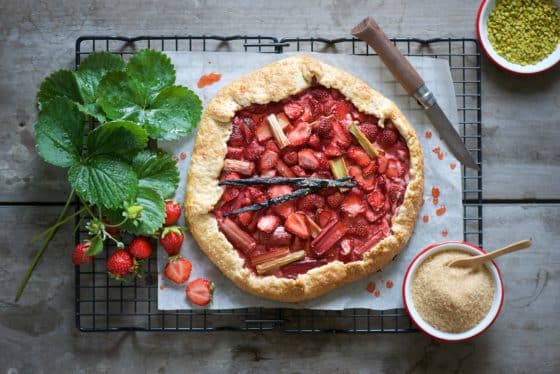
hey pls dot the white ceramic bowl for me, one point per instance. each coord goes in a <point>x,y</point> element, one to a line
<point>424,326</point>
<point>545,64</point>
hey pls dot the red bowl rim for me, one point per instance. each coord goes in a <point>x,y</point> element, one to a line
<point>407,273</point>
<point>491,58</point>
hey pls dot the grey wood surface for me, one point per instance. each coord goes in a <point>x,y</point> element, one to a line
<point>521,162</point>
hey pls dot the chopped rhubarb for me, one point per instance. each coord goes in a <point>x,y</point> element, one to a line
<point>238,166</point>
<point>328,237</point>
<point>277,131</point>
<point>363,140</point>
<point>313,227</point>
<point>268,223</point>
<point>301,267</point>
<point>307,159</point>
<point>279,262</point>
<point>300,134</point>
<point>339,170</point>
<point>237,236</point>
<point>297,225</point>
<point>270,255</point>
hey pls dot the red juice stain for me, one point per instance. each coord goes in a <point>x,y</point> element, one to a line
<point>183,155</point>
<point>389,284</point>
<point>452,165</point>
<point>377,293</point>
<point>435,192</point>
<point>208,79</point>
<point>426,218</point>
<point>444,233</point>
<point>438,152</point>
<point>441,211</point>
<point>428,134</point>
<point>371,287</point>
<point>161,287</point>
<point>435,200</point>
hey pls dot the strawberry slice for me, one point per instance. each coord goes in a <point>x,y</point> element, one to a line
<point>253,151</point>
<point>263,133</point>
<point>315,142</point>
<point>268,160</point>
<point>235,153</point>
<point>296,224</point>
<point>280,237</point>
<point>237,236</point>
<point>333,151</point>
<point>268,173</point>
<point>284,209</point>
<point>268,223</point>
<point>293,110</point>
<point>334,200</point>
<point>370,131</point>
<point>328,237</point>
<point>290,158</point>
<point>245,218</point>
<point>236,138</point>
<point>326,216</point>
<point>178,269</point>
<point>200,291</point>
<point>394,169</point>
<point>382,164</point>
<point>370,169</point>
<point>298,170</point>
<point>283,121</point>
<point>387,138</point>
<point>230,193</point>
<point>367,184</point>
<point>353,205</point>
<point>341,135</point>
<point>311,202</point>
<point>247,128</point>
<point>376,199</point>
<point>284,170</point>
<point>307,159</point>
<point>270,255</point>
<point>359,156</point>
<point>300,134</point>
<point>278,190</point>
<point>340,110</point>
<point>307,111</point>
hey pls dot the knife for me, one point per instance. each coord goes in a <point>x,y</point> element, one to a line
<point>414,85</point>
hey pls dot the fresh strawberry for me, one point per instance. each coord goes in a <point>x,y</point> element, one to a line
<point>381,164</point>
<point>234,153</point>
<point>293,110</point>
<point>324,129</point>
<point>297,225</point>
<point>341,135</point>
<point>268,160</point>
<point>333,151</point>
<point>370,131</point>
<point>315,142</point>
<point>284,209</point>
<point>340,109</point>
<point>268,173</point>
<point>140,248</point>
<point>311,202</point>
<point>268,223</point>
<point>320,94</point>
<point>335,199</point>
<point>300,134</point>
<point>280,237</point>
<point>290,158</point>
<point>359,156</point>
<point>387,138</point>
<point>272,146</point>
<point>245,218</point>
<point>172,212</point>
<point>353,205</point>
<point>257,196</point>
<point>236,137</point>
<point>323,163</point>
<point>263,132</point>
<point>394,169</point>
<point>253,151</point>
<point>247,128</point>
<point>325,217</point>
<point>307,159</point>
<point>278,190</point>
<point>200,291</point>
<point>79,254</point>
<point>298,170</point>
<point>358,227</point>
<point>178,269</point>
<point>284,170</point>
<point>120,264</point>
<point>171,239</point>
<point>376,199</point>
<point>370,169</point>
<point>307,114</point>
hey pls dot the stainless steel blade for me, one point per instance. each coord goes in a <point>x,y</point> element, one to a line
<point>450,136</point>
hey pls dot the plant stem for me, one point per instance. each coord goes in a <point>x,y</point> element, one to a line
<point>57,225</point>
<point>41,250</point>
<point>118,224</point>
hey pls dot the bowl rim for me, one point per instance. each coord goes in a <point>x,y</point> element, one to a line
<point>420,324</point>
<point>483,5</point>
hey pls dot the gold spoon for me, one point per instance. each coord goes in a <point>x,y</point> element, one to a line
<point>476,261</point>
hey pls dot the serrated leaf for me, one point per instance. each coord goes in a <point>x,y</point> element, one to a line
<point>92,69</point>
<point>95,247</point>
<point>152,70</point>
<point>119,97</point>
<point>157,171</point>
<point>118,138</point>
<point>152,216</point>
<point>60,83</point>
<point>175,112</point>
<point>93,110</point>
<point>59,132</point>
<point>104,181</point>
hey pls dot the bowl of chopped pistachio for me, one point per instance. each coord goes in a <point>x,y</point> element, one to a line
<point>520,36</point>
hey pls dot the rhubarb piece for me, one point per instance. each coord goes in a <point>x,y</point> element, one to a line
<point>300,134</point>
<point>268,160</point>
<point>307,159</point>
<point>268,223</point>
<point>277,131</point>
<point>238,166</point>
<point>292,270</point>
<point>237,236</point>
<point>297,225</point>
<point>280,237</point>
<point>279,262</point>
<point>328,237</point>
<point>274,253</point>
<point>313,227</point>
<point>339,170</point>
<point>363,141</point>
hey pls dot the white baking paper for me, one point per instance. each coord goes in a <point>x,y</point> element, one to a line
<point>438,173</point>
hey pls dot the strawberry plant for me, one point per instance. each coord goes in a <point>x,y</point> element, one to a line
<point>98,122</point>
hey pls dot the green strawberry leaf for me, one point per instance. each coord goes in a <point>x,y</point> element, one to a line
<point>157,171</point>
<point>95,247</point>
<point>60,83</point>
<point>152,71</point>
<point>104,181</point>
<point>92,69</point>
<point>152,216</point>
<point>119,97</point>
<point>59,132</point>
<point>117,138</point>
<point>93,110</point>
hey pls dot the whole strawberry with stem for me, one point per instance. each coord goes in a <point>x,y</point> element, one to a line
<point>172,212</point>
<point>140,248</point>
<point>120,264</point>
<point>171,239</point>
<point>79,256</point>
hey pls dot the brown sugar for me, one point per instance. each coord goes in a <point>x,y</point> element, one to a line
<point>451,299</point>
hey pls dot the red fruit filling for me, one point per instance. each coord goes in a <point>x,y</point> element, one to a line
<point>331,224</point>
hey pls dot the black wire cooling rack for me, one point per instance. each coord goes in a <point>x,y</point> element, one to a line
<point>106,305</point>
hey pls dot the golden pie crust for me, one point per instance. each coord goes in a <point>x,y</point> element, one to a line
<point>273,83</point>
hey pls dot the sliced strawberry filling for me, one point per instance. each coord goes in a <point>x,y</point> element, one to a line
<point>304,136</point>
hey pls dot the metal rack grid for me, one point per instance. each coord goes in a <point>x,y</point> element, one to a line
<point>106,305</point>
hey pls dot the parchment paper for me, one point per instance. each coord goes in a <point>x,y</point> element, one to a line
<point>191,66</point>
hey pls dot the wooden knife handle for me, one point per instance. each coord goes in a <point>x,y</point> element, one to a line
<point>368,31</point>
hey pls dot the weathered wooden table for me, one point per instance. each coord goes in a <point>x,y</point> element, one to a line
<point>521,179</point>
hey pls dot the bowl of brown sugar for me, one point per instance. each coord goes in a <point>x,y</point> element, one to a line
<point>452,303</point>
